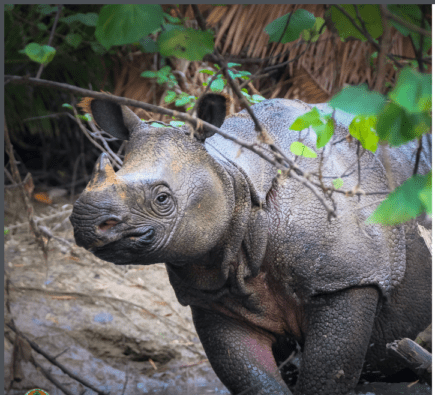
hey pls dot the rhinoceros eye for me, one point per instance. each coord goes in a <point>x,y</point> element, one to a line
<point>162,198</point>
<point>163,202</point>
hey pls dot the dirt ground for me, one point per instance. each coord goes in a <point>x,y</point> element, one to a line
<point>119,328</point>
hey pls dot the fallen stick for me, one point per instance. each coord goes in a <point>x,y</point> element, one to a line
<point>413,356</point>
<point>59,365</point>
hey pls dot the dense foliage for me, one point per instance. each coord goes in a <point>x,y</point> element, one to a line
<point>87,37</point>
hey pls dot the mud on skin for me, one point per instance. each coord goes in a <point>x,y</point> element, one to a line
<point>257,260</point>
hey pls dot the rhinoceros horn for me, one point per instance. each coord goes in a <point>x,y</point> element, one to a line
<point>103,174</point>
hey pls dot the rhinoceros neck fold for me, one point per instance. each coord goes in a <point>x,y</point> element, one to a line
<point>237,258</point>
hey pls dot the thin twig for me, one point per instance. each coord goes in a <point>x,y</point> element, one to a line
<point>420,50</point>
<point>50,235</point>
<point>199,18</point>
<point>56,19</point>
<point>39,368</point>
<point>38,219</point>
<point>104,141</point>
<point>358,145</point>
<point>258,128</point>
<point>46,116</point>
<point>86,132</point>
<point>126,379</point>
<point>366,35</point>
<point>417,159</point>
<point>49,377</point>
<point>280,160</point>
<point>285,27</point>
<point>383,50</point>
<point>54,362</point>
<point>404,23</point>
<point>25,193</point>
<point>309,185</point>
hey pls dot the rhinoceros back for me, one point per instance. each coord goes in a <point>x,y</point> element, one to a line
<point>382,259</point>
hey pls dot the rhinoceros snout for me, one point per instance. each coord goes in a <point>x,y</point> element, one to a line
<point>108,224</point>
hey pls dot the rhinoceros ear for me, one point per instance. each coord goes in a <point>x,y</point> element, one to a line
<point>212,108</point>
<point>113,118</point>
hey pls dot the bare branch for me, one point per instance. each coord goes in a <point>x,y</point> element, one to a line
<point>385,43</point>
<point>417,159</point>
<point>56,19</point>
<point>404,23</point>
<point>54,362</point>
<point>275,156</point>
<point>366,35</point>
<point>199,18</point>
<point>26,192</point>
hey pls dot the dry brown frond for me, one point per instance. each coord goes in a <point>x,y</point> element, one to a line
<point>85,104</point>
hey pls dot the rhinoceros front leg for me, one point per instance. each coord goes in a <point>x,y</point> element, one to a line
<point>338,335</point>
<point>241,356</point>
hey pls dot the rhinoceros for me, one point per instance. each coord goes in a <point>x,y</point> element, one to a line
<point>255,255</point>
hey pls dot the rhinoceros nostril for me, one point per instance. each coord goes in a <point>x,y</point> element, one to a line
<point>148,236</point>
<point>110,223</point>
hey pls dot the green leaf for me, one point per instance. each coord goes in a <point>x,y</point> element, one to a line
<point>406,202</point>
<point>231,74</point>
<point>358,100</point>
<point>258,98</point>
<point>313,33</point>
<point>172,19</point>
<point>74,39</point>
<point>157,125</point>
<point>149,74</point>
<point>177,124</point>
<point>183,101</point>
<point>338,183</point>
<point>233,64</point>
<point>397,126</point>
<point>323,126</point>
<point>217,85</point>
<point>363,129</point>
<point>170,97</point>
<point>324,133</point>
<point>300,20</point>
<point>66,105</point>
<point>302,150</point>
<point>209,72</point>
<point>185,43</point>
<point>311,118</point>
<point>43,54</point>
<point>148,45</point>
<point>98,48</point>
<point>6,231</point>
<point>413,91</point>
<point>425,197</point>
<point>42,26</point>
<point>46,9</point>
<point>89,19</point>
<point>120,24</point>
<point>370,14</point>
<point>412,14</point>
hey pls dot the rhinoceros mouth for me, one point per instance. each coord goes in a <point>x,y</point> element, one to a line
<point>126,248</point>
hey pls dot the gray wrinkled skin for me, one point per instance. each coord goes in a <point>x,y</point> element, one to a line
<point>257,260</point>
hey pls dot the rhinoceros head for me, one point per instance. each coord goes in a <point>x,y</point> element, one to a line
<point>170,201</point>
